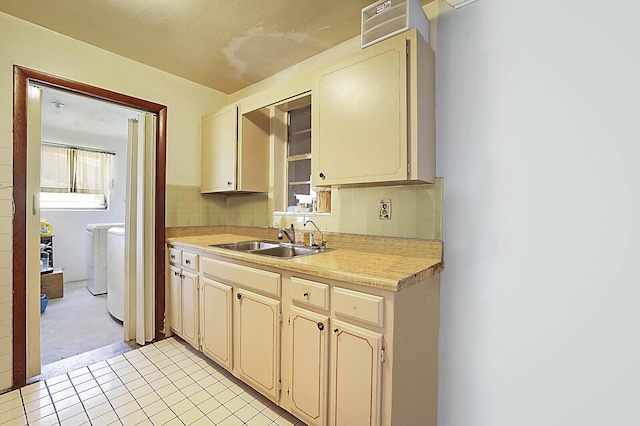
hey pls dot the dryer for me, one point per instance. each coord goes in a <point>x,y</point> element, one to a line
<point>97,258</point>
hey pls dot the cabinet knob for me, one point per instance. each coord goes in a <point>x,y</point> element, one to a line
<point>322,176</point>
<point>173,257</point>
<point>320,326</point>
<point>175,273</point>
<point>229,183</point>
<point>305,295</point>
<point>238,296</point>
<point>335,330</point>
<point>187,261</point>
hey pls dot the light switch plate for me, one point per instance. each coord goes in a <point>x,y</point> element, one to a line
<point>385,209</point>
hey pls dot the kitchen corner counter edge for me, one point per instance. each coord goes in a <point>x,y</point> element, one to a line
<point>387,263</point>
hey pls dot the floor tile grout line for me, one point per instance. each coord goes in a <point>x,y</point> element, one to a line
<point>183,353</point>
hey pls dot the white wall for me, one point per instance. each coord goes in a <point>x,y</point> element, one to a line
<point>69,227</point>
<point>35,47</point>
<point>538,143</point>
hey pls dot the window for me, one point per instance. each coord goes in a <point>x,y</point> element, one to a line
<point>299,159</point>
<point>75,178</point>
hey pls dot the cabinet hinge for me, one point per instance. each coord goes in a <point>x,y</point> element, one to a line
<point>408,48</point>
<point>279,385</point>
<point>382,355</point>
<point>289,320</point>
<point>408,168</point>
<point>280,317</point>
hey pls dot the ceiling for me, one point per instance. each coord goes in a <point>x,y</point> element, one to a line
<point>223,44</point>
<point>83,115</point>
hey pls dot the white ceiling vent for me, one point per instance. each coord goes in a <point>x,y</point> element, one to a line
<point>456,4</point>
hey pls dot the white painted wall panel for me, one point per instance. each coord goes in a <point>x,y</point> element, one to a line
<point>538,144</point>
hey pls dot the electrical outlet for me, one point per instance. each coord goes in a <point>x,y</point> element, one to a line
<point>385,209</point>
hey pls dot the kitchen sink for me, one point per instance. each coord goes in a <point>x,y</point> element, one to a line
<point>288,251</point>
<point>248,245</point>
<point>271,248</point>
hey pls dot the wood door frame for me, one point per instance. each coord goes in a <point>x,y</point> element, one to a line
<point>21,78</point>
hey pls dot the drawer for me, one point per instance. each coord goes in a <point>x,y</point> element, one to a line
<point>190,260</point>
<point>256,279</point>
<point>362,306</point>
<point>175,256</point>
<point>310,293</point>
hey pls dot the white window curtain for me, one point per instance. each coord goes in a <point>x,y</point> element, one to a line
<point>55,170</point>
<point>74,170</point>
<point>92,172</point>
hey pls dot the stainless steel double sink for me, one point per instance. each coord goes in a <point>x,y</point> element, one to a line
<point>271,248</point>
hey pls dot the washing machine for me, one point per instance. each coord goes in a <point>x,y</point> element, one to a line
<point>97,256</point>
<point>115,272</point>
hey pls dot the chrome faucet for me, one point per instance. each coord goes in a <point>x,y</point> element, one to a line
<point>291,234</point>
<point>323,243</point>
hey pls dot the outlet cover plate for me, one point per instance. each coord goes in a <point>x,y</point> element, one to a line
<point>385,209</point>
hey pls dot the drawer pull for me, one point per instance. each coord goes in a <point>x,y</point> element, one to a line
<point>306,295</point>
<point>188,261</point>
<point>173,257</point>
<point>320,326</point>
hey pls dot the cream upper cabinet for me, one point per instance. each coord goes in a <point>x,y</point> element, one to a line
<point>216,301</point>
<point>235,151</point>
<point>257,341</point>
<point>374,115</point>
<point>218,150</point>
<point>356,364</point>
<point>309,360</point>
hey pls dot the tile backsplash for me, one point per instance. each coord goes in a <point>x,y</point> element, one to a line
<point>416,210</point>
<point>186,206</point>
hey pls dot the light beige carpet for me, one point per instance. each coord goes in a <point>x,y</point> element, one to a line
<point>76,323</point>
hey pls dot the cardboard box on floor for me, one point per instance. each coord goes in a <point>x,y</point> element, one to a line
<point>52,284</point>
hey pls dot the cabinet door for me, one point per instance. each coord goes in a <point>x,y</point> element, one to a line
<point>309,357</point>
<point>359,108</point>
<point>218,150</point>
<point>355,375</point>
<point>215,321</point>
<point>257,331</point>
<point>190,308</point>
<point>175,299</point>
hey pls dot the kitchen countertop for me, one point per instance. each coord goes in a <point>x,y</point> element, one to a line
<point>386,263</point>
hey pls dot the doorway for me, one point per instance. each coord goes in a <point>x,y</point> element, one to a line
<point>83,169</point>
<point>25,307</point>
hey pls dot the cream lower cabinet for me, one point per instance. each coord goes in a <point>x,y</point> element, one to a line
<point>309,361</point>
<point>174,280</point>
<point>182,279</point>
<point>356,364</point>
<point>183,304</point>
<point>257,334</point>
<point>190,320</point>
<point>216,301</point>
<point>346,355</point>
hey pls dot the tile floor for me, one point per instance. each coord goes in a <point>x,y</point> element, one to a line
<point>167,383</point>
